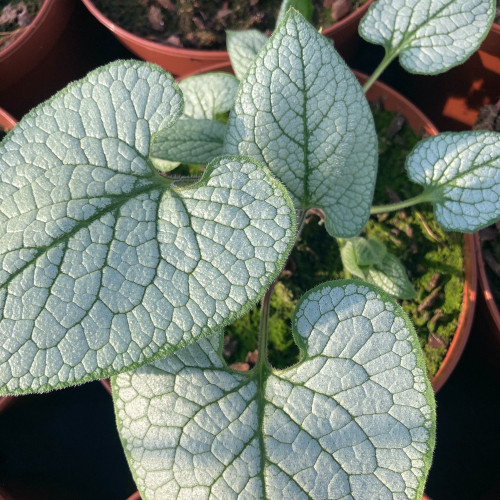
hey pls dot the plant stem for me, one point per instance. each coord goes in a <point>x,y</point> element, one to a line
<point>264,326</point>
<point>388,58</point>
<point>421,198</point>
<point>266,302</point>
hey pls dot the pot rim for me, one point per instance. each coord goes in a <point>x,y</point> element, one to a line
<point>485,285</point>
<point>7,121</point>
<point>200,53</point>
<point>43,14</point>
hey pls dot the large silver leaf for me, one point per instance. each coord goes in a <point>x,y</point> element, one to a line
<point>354,419</point>
<point>301,111</point>
<point>104,264</point>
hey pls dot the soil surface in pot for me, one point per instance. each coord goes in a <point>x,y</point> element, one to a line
<point>15,17</point>
<point>433,259</point>
<point>489,119</point>
<point>201,24</point>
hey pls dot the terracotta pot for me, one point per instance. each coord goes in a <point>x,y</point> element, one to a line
<point>180,61</point>
<point>35,42</point>
<point>475,83</point>
<point>7,122</point>
<point>489,313</point>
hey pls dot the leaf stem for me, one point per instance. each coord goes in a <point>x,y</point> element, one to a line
<point>388,58</point>
<point>266,302</point>
<point>421,198</point>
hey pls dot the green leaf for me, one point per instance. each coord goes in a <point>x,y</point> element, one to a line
<point>105,264</point>
<point>208,95</point>
<point>302,113</point>
<point>369,260</point>
<point>430,36</point>
<point>461,174</point>
<point>242,47</point>
<point>391,276</point>
<point>354,419</point>
<point>205,98</point>
<point>190,141</point>
<point>369,252</point>
<point>305,7</point>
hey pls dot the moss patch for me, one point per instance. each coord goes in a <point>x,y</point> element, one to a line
<point>433,258</point>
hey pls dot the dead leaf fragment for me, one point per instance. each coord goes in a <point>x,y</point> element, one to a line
<point>155,18</point>
<point>340,8</point>
<point>166,4</point>
<point>239,366</point>
<point>252,357</point>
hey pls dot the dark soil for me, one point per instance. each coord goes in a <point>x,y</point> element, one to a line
<point>201,24</point>
<point>15,17</point>
<point>433,259</point>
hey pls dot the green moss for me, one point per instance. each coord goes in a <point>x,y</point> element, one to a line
<point>410,235</point>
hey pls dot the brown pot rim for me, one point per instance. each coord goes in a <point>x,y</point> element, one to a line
<point>43,14</point>
<point>485,287</point>
<point>208,54</point>
<point>7,121</point>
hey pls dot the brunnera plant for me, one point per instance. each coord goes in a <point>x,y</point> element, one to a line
<point>110,268</point>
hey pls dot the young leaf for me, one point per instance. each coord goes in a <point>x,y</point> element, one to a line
<point>242,47</point>
<point>305,7</point>
<point>301,111</point>
<point>208,95</point>
<point>430,36</point>
<point>354,419</point>
<point>370,261</point>
<point>104,264</point>
<point>369,252</point>
<point>190,141</point>
<point>461,174</point>
<point>205,98</point>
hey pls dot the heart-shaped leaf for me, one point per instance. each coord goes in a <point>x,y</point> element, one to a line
<point>301,111</point>
<point>461,175</point>
<point>430,36</point>
<point>242,47</point>
<point>354,419</point>
<point>104,264</point>
<point>369,260</point>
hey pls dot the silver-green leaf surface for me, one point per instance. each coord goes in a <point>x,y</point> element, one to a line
<point>301,111</point>
<point>461,175</point>
<point>242,47</point>
<point>208,95</point>
<point>105,265</point>
<point>190,140</point>
<point>355,418</point>
<point>430,36</point>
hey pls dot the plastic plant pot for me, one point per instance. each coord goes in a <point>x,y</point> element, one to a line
<point>181,61</point>
<point>35,42</point>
